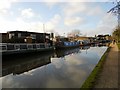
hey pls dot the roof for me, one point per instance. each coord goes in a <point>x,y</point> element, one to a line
<point>25,32</point>
<point>3,33</point>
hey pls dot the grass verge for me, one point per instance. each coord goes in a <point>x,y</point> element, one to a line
<point>91,80</point>
<point>118,44</point>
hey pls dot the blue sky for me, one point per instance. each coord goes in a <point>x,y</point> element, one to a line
<point>91,18</point>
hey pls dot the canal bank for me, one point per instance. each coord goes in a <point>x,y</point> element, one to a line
<point>105,74</point>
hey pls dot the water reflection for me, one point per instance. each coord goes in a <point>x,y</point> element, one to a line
<point>19,66</point>
<point>61,69</point>
<point>84,47</point>
<point>100,45</point>
<point>62,53</point>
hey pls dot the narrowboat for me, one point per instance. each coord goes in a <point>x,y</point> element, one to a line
<point>67,44</point>
<point>23,48</point>
<point>84,42</point>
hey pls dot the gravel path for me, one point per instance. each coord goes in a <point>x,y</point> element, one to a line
<point>108,78</point>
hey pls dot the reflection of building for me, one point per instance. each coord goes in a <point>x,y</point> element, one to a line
<point>23,65</point>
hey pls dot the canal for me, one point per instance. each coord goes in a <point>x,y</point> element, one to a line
<point>58,69</point>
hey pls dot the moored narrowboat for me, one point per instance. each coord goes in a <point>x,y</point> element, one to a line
<point>84,42</point>
<point>67,44</point>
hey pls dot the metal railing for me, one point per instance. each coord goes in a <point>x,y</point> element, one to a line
<point>22,46</point>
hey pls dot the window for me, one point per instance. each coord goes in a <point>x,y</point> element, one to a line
<point>11,35</point>
<point>47,37</point>
<point>33,36</point>
<point>19,35</point>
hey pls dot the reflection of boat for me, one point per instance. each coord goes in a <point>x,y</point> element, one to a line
<point>62,53</point>
<point>23,65</point>
<point>103,44</point>
<point>84,47</point>
<point>24,55</point>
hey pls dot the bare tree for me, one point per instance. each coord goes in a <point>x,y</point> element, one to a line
<point>74,33</point>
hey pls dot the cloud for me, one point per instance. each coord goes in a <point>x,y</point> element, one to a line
<point>73,14</point>
<point>27,13</point>
<point>73,21</point>
<point>105,26</point>
<point>21,24</point>
<point>82,8</point>
<point>108,20</point>
<point>5,5</point>
<point>72,9</point>
<point>51,3</point>
<point>53,23</point>
<point>95,11</point>
<point>3,12</point>
<point>66,1</point>
<point>86,0</point>
<point>56,19</point>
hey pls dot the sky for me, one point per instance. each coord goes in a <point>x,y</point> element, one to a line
<point>58,16</point>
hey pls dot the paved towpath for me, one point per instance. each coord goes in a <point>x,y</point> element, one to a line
<point>108,78</point>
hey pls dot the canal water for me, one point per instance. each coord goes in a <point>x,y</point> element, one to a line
<point>59,69</point>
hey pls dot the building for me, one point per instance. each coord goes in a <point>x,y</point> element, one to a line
<point>101,37</point>
<point>108,37</point>
<point>104,38</point>
<point>82,38</point>
<point>4,37</point>
<point>28,37</point>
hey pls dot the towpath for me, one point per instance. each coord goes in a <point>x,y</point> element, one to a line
<point>108,78</point>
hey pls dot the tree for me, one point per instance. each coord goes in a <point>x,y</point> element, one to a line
<point>75,33</point>
<point>116,34</point>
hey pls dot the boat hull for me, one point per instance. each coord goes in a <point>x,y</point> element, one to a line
<point>65,47</point>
